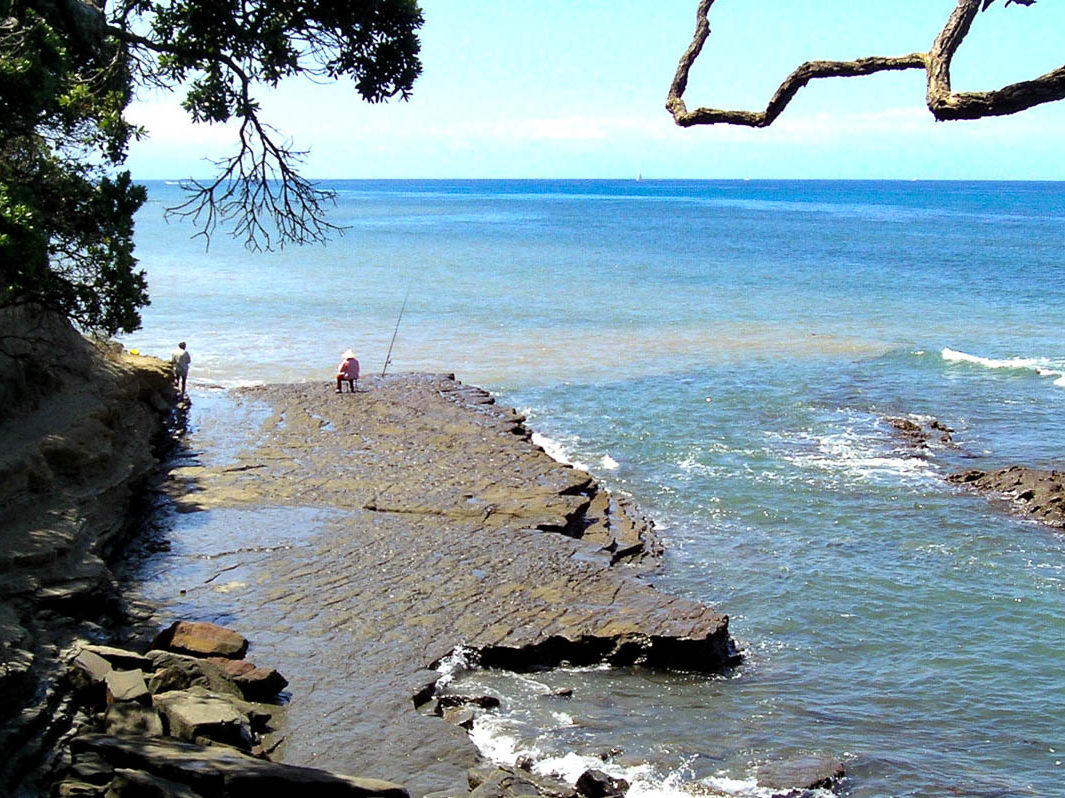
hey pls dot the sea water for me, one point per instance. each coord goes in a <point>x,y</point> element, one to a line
<point>728,354</point>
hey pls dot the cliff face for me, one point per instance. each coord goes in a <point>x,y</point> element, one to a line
<point>78,422</point>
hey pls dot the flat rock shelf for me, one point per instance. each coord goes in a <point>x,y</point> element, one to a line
<point>449,529</point>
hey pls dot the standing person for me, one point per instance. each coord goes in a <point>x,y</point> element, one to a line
<point>348,369</point>
<point>180,359</point>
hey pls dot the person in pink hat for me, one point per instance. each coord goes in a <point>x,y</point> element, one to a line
<point>348,370</point>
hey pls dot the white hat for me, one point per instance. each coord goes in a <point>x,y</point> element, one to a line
<point>347,353</point>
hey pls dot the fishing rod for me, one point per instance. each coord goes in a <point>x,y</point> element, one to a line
<point>388,357</point>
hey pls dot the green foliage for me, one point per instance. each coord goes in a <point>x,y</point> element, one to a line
<point>68,72</point>
<point>66,221</point>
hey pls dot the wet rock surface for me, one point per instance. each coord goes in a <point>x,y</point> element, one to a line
<point>810,772</point>
<point>456,531</point>
<point>1034,493</point>
<point>921,433</point>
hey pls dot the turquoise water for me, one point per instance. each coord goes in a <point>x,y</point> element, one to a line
<point>727,353</point>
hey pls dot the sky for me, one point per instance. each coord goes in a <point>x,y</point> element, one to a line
<point>577,88</point>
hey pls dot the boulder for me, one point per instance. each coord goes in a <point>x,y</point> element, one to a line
<point>126,686</point>
<point>257,714</point>
<point>255,684</point>
<point>194,717</point>
<point>87,673</point>
<point>809,772</point>
<point>458,716</point>
<point>597,784</point>
<point>138,784</point>
<point>120,658</point>
<point>133,719</point>
<point>180,671</point>
<point>91,767</point>
<point>225,771</point>
<point>201,639</point>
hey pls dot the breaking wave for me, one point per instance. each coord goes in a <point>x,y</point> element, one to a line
<point>1040,366</point>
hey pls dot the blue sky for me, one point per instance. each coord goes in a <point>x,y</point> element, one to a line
<point>568,88</point>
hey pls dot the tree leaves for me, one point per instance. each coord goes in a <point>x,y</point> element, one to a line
<point>67,74</point>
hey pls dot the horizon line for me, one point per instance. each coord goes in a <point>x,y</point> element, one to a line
<point>174,180</point>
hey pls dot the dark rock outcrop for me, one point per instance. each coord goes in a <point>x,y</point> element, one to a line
<point>451,529</point>
<point>920,433</point>
<point>597,784</point>
<point>1035,493</point>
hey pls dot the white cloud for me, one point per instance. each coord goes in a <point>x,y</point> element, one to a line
<point>168,123</point>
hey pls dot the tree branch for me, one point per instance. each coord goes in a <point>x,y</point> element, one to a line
<point>941,101</point>
<point>258,189</point>
<point>946,105</point>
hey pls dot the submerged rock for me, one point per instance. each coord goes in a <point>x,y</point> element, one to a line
<point>811,772</point>
<point>920,432</point>
<point>515,783</point>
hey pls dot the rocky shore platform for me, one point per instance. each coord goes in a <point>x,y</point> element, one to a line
<point>447,530</point>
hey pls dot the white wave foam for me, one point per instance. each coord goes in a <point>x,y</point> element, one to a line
<point>455,663</point>
<point>556,450</point>
<point>644,781</point>
<point>493,743</point>
<point>1041,366</point>
<point>609,463</point>
<point>857,448</point>
<point>490,735</point>
<point>953,355</point>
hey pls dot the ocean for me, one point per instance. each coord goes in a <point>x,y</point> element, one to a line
<point>728,354</point>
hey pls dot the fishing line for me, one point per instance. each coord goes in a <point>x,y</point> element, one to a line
<point>388,357</point>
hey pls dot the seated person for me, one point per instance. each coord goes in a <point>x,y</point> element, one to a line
<point>348,370</point>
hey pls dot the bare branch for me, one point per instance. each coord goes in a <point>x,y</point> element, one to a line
<point>947,105</point>
<point>258,189</point>
<point>942,102</point>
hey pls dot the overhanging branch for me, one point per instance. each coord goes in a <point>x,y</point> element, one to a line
<point>941,100</point>
<point>258,190</point>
